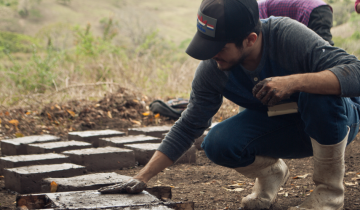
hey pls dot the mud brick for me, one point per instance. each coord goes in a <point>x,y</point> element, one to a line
<point>84,182</point>
<point>94,200</point>
<point>200,140</point>
<point>27,179</point>
<point>18,146</point>
<point>28,160</point>
<point>93,136</point>
<point>57,147</point>
<point>144,152</point>
<point>102,158</point>
<point>121,141</point>
<point>156,131</point>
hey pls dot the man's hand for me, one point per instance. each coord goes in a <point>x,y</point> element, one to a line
<point>132,186</point>
<point>157,163</point>
<point>271,91</point>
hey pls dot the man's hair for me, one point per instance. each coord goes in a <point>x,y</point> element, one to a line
<point>239,40</point>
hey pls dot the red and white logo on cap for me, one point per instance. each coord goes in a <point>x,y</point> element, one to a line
<point>206,24</point>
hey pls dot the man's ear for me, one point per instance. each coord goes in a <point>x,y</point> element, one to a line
<point>250,40</point>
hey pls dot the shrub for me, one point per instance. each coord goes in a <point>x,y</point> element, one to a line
<point>13,42</point>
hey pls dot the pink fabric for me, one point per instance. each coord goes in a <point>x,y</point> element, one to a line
<point>299,10</point>
<point>356,3</point>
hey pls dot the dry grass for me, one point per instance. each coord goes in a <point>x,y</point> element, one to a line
<point>153,64</point>
<point>160,69</point>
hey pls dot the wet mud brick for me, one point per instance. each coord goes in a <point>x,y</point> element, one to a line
<point>102,158</point>
<point>83,182</point>
<point>156,131</point>
<point>144,152</point>
<point>94,200</point>
<point>18,146</point>
<point>93,136</point>
<point>200,140</point>
<point>28,160</point>
<point>57,147</point>
<point>121,141</point>
<point>27,179</point>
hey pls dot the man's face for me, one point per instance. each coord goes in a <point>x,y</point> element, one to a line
<point>230,56</point>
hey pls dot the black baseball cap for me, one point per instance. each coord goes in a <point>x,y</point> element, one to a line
<point>220,22</point>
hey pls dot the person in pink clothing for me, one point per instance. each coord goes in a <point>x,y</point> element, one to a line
<point>357,6</point>
<point>315,14</point>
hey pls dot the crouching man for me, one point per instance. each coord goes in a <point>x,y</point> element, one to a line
<point>258,64</point>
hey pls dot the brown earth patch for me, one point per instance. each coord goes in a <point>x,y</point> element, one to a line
<point>203,182</point>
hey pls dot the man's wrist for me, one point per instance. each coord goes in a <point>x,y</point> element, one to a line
<point>296,82</point>
<point>141,178</point>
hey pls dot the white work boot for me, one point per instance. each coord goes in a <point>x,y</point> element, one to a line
<point>329,169</point>
<point>270,174</point>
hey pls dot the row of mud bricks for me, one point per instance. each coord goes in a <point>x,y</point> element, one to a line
<point>30,164</point>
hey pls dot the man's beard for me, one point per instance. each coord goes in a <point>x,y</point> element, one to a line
<point>231,62</point>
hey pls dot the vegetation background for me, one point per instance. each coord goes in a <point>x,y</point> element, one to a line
<point>57,50</point>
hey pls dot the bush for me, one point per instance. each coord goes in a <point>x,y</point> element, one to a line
<point>13,42</point>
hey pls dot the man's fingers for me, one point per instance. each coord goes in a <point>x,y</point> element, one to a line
<point>132,186</point>
<point>256,90</point>
<point>276,98</point>
<point>262,93</point>
<point>136,188</point>
<point>117,188</point>
<point>268,97</point>
<point>261,89</point>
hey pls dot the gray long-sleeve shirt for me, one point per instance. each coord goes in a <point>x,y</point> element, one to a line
<point>289,48</point>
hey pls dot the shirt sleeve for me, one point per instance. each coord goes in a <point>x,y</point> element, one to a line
<point>205,100</point>
<point>356,3</point>
<point>301,50</point>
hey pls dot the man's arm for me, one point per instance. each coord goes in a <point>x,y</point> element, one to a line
<point>308,64</point>
<point>205,100</point>
<point>272,90</point>
<point>157,163</point>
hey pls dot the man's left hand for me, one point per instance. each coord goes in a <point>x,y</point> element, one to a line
<point>271,91</point>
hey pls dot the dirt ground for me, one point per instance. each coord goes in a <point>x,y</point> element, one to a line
<point>207,184</point>
<point>203,182</point>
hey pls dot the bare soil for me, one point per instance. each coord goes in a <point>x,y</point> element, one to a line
<point>203,182</point>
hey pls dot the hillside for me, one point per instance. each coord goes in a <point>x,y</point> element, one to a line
<point>173,18</point>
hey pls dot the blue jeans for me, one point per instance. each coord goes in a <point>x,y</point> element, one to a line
<point>236,141</point>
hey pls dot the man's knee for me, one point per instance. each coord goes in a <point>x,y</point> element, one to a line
<point>318,105</point>
<point>218,147</point>
<point>324,116</point>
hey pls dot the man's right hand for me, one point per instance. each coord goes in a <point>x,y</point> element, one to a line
<point>137,184</point>
<point>132,186</point>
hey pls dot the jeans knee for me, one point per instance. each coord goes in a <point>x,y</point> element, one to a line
<point>212,146</point>
<point>219,149</point>
<point>324,117</point>
<point>317,106</point>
